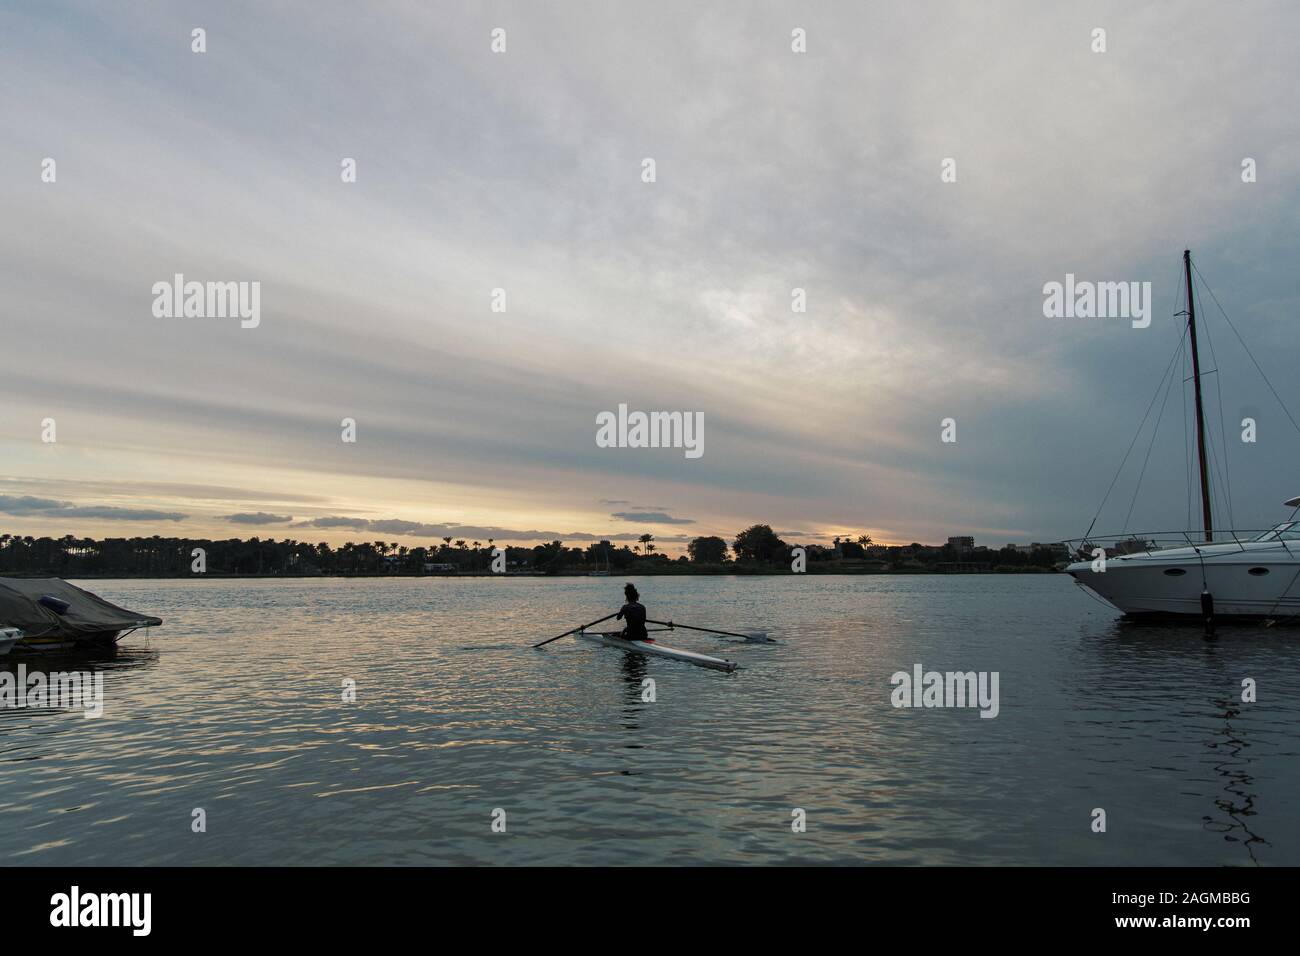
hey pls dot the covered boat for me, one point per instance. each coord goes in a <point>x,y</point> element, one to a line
<point>56,615</point>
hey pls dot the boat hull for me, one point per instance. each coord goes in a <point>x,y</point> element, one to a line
<point>1245,583</point>
<point>652,649</point>
<point>62,643</point>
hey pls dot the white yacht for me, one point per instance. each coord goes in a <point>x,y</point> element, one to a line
<point>1199,574</point>
<point>1249,577</point>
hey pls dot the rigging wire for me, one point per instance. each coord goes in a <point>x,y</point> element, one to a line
<point>1155,432</point>
<point>1286,410</point>
<point>1136,435</point>
<point>1220,469</point>
<point>1223,436</point>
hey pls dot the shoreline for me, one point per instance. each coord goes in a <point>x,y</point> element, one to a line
<point>559,574</point>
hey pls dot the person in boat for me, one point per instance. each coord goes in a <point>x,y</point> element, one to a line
<point>634,613</point>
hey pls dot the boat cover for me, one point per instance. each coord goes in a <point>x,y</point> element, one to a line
<point>21,607</point>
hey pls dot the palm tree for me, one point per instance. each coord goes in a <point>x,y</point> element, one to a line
<point>645,540</point>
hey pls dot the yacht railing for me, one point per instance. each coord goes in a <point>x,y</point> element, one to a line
<point>1150,542</point>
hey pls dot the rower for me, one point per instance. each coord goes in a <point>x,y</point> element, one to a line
<point>634,613</point>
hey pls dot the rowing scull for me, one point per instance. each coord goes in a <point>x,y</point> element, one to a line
<point>652,649</point>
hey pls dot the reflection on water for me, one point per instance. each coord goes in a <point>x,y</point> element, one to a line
<point>236,706</point>
<point>1177,660</point>
<point>635,670</point>
<point>124,658</point>
<point>1238,806</point>
<point>113,663</point>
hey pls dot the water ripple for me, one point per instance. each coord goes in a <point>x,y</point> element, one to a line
<point>237,707</point>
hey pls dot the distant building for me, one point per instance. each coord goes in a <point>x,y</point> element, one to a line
<point>962,543</point>
<point>1056,547</point>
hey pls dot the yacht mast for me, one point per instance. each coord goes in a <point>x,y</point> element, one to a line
<point>1200,410</point>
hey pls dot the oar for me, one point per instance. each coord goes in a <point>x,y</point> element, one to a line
<point>576,629</point>
<point>760,638</point>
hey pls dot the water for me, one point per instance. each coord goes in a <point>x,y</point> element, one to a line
<point>234,706</point>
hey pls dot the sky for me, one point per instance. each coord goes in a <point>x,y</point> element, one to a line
<point>523,170</point>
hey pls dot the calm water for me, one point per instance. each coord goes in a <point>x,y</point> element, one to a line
<point>235,706</point>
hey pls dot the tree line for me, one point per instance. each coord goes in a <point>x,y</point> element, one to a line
<point>756,548</point>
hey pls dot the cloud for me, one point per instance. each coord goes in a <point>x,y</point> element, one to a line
<point>457,531</point>
<point>26,505</point>
<point>95,487</point>
<point>258,517</point>
<point>334,522</point>
<point>651,517</point>
<point>110,513</point>
<point>676,295</point>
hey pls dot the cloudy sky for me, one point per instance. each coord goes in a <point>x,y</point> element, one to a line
<point>522,170</point>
